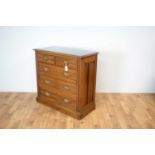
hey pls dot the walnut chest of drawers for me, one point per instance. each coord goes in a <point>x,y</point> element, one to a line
<point>66,79</point>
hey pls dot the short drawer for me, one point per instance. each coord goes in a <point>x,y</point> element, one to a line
<point>46,58</point>
<point>59,87</point>
<point>63,101</point>
<point>57,72</point>
<point>70,62</point>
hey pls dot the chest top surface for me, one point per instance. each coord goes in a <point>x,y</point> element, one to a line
<point>67,50</point>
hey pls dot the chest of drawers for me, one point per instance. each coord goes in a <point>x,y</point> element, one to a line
<point>66,79</point>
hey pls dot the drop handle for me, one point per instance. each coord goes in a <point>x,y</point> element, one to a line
<point>47,81</point>
<point>66,87</point>
<point>45,69</point>
<point>47,93</point>
<point>66,74</point>
<point>66,100</point>
<point>45,58</point>
<point>66,62</point>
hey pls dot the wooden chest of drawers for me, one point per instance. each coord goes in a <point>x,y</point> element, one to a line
<point>66,79</point>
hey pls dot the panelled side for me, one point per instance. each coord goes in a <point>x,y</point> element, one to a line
<point>87,83</point>
<point>37,73</point>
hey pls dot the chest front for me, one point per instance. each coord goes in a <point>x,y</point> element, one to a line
<point>66,82</point>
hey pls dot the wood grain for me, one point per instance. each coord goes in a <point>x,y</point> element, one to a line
<point>59,87</point>
<point>79,72</point>
<point>57,72</point>
<point>20,110</point>
<point>87,82</point>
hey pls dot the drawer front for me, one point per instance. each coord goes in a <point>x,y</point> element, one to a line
<point>67,102</point>
<point>70,62</point>
<point>63,101</point>
<point>48,94</point>
<point>46,81</point>
<point>59,87</point>
<point>67,87</point>
<point>45,58</point>
<point>57,72</point>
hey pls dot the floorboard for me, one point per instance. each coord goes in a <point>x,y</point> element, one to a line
<point>113,111</point>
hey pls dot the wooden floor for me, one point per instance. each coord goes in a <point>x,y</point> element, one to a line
<point>20,110</point>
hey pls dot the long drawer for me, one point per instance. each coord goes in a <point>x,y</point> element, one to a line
<point>57,72</point>
<point>59,87</point>
<point>63,101</point>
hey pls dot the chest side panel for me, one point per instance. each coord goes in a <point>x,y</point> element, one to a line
<point>87,82</point>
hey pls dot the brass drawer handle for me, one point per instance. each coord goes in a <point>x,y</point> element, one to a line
<point>45,58</point>
<point>66,100</point>
<point>66,73</point>
<point>45,69</point>
<point>65,62</point>
<point>47,93</point>
<point>66,87</point>
<point>47,81</point>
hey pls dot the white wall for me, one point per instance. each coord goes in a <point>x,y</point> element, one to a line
<point>126,60</point>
